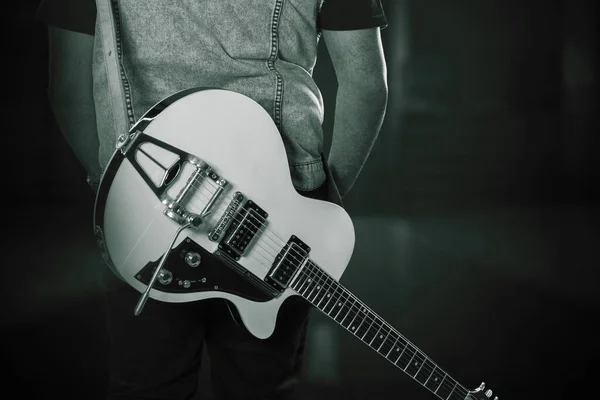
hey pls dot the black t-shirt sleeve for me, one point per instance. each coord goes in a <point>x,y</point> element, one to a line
<point>80,15</point>
<point>344,15</point>
<point>72,15</point>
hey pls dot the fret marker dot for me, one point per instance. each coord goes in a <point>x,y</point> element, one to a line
<point>397,348</point>
<point>328,295</point>
<point>318,287</point>
<point>435,379</point>
<point>353,328</point>
<point>380,336</point>
<point>416,363</point>
<point>309,280</point>
<point>339,304</point>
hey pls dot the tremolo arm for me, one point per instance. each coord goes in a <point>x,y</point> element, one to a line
<point>176,209</point>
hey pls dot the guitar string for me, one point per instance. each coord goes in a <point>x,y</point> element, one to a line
<point>456,388</point>
<point>374,322</point>
<point>223,207</point>
<point>358,305</point>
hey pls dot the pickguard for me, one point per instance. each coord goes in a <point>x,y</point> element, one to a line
<point>211,275</point>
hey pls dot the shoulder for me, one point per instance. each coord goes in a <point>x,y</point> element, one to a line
<point>351,14</point>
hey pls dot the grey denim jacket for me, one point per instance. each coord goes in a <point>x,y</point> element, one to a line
<point>264,49</point>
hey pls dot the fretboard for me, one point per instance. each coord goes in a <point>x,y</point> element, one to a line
<point>330,297</point>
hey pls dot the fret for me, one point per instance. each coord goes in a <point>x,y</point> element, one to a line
<point>311,282</point>
<point>335,295</point>
<point>456,395</point>
<point>397,350</point>
<point>426,370</point>
<point>347,306</point>
<point>381,337</point>
<point>392,341</point>
<point>317,288</point>
<point>339,304</point>
<point>358,321</point>
<point>328,299</point>
<point>357,317</point>
<point>406,356</point>
<point>353,310</point>
<point>445,389</point>
<point>304,281</point>
<point>388,344</point>
<point>354,307</point>
<point>365,323</point>
<point>328,294</point>
<point>373,330</point>
<point>435,379</point>
<point>415,364</point>
<point>321,294</point>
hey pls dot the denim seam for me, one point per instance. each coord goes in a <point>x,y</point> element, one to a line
<point>278,103</point>
<point>307,163</point>
<point>124,79</point>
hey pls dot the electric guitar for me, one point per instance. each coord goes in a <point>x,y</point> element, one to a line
<point>197,202</point>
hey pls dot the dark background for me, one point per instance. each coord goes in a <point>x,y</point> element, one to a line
<point>476,217</point>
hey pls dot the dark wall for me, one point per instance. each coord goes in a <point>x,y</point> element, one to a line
<point>475,203</point>
<point>490,103</point>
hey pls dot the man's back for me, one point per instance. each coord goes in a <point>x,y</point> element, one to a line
<point>145,51</point>
<point>263,49</point>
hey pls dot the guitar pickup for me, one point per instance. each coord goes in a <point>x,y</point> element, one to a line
<point>287,263</point>
<point>246,225</point>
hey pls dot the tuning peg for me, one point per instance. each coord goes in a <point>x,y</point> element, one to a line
<point>482,386</point>
<point>488,393</point>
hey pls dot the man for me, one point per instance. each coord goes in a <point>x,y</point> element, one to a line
<point>265,49</point>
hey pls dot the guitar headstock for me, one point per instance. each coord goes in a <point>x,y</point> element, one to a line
<point>480,394</point>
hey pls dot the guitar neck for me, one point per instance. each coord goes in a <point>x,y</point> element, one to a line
<point>338,303</point>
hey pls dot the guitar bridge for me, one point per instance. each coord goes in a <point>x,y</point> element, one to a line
<point>177,212</point>
<point>227,218</point>
<point>148,155</point>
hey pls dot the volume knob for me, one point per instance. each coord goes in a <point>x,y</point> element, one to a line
<point>192,259</point>
<point>165,276</point>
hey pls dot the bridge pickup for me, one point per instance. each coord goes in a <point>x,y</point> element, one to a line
<point>245,226</point>
<point>287,263</point>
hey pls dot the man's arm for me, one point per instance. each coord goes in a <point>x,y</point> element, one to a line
<point>70,93</point>
<point>360,67</point>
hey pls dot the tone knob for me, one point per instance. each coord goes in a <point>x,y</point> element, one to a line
<point>192,259</point>
<point>165,276</point>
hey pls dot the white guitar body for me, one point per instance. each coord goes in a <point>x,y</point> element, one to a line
<point>245,148</point>
<point>197,203</point>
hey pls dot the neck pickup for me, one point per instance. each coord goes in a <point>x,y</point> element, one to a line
<point>288,263</point>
